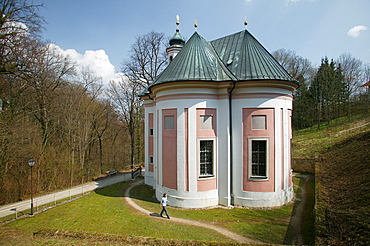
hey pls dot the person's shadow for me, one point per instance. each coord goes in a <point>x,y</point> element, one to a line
<point>155,215</point>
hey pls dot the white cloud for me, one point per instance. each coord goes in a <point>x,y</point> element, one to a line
<point>355,31</point>
<point>96,61</point>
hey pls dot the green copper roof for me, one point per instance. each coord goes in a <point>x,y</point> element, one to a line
<point>177,39</point>
<point>237,57</point>
<point>247,59</point>
<point>198,61</point>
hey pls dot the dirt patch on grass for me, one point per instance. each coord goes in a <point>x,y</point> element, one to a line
<point>88,238</point>
<point>14,236</point>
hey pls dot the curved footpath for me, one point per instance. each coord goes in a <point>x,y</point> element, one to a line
<point>220,230</point>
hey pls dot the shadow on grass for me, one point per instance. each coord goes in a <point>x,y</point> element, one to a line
<point>144,193</point>
<point>301,228</point>
<point>141,192</point>
<point>115,190</point>
<point>155,215</point>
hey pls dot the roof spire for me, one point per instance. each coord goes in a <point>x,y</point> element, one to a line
<point>195,24</point>
<point>177,22</point>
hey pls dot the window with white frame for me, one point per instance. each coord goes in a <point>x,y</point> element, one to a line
<point>206,158</point>
<point>151,159</point>
<point>258,158</point>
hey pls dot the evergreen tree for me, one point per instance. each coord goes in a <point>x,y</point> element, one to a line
<point>328,91</point>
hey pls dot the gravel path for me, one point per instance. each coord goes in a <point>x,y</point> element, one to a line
<point>220,230</point>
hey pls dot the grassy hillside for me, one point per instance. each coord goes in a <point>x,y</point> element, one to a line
<point>312,142</point>
<point>343,179</point>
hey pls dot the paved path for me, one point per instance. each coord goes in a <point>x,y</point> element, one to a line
<point>220,230</point>
<point>77,190</point>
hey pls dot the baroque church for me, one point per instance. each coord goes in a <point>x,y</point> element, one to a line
<point>218,124</point>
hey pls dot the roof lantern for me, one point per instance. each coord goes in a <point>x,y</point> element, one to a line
<point>177,38</point>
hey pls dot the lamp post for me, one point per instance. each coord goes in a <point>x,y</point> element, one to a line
<point>31,162</point>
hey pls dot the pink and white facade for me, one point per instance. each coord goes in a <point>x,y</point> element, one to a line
<point>218,141</point>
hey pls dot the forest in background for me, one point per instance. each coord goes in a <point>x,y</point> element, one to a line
<point>76,128</point>
<point>50,110</point>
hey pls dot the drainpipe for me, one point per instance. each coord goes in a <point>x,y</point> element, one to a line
<point>231,143</point>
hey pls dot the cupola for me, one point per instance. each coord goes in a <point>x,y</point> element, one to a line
<point>177,41</point>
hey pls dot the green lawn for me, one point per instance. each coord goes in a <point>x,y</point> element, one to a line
<point>106,212</point>
<point>268,225</point>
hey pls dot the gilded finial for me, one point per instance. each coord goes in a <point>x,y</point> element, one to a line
<point>195,24</point>
<point>177,20</point>
<point>245,22</point>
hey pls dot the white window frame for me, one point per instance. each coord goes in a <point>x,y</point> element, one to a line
<point>267,139</point>
<point>214,164</point>
<point>151,159</point>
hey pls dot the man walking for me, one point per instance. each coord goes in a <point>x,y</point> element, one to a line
<point>164,204</point>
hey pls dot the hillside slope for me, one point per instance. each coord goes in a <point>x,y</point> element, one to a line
<point>343,192</point>
<point>312,142</point>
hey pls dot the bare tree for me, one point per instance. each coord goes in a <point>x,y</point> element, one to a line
<point>44,73</point>
<point>147,59</point>
<point>124,96</point>
<point>300,68</point>
<point>19,19</point>
<point>21,11</point>
<point>366,74</point>
<point>352,70</point>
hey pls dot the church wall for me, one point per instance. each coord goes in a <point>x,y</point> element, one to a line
<point>169,148</point>
<point>206,125</point>
<point>278,191</point>
<point>224,153</point>
<point>189,192</point>
<point>187,189</point>
<point>149,175</point>
<point>251,182</point>
<point>150,142</point>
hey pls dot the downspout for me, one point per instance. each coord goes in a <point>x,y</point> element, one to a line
<point>231,144</point>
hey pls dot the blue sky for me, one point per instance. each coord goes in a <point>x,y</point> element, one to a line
<point>105,29</point>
